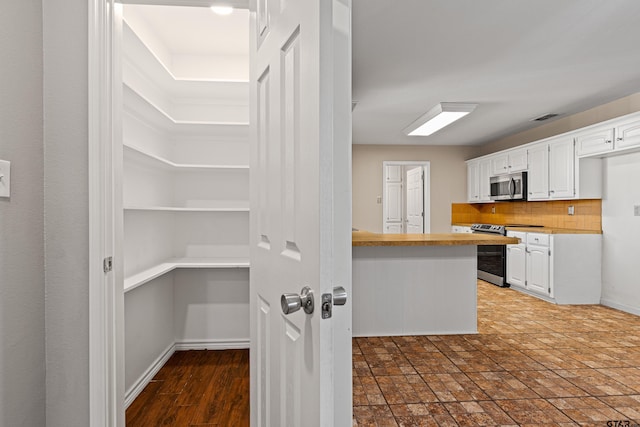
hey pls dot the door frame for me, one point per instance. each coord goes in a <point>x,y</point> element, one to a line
<point>426,164</point>
<point>106,293</point>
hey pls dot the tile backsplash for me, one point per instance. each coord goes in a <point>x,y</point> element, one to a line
<point>587,213</point>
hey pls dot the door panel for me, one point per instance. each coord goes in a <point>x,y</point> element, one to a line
<point>300,210</point>
<point>415,200</point>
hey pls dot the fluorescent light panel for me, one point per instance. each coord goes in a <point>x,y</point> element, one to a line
<point>438,117</point>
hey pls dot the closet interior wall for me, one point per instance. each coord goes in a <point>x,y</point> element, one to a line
<point>185,209</point>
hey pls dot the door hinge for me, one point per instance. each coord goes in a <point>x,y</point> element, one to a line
<point>549,252</point>
<point>107,264</point>
<point>549,290</point>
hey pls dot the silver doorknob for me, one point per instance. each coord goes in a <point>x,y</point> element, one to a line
<point>293,302</point>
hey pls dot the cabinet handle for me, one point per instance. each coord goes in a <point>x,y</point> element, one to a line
<point>619,138</point>
<point>608,141</point>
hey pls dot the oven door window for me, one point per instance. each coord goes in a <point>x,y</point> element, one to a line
<point>491,259</point>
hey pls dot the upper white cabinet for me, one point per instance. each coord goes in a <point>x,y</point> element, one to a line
<point>628,134</point>
<point>478,175</point>
<point>538,176</point>
<point>594,141</point>
<point>561,169</point>
<point>509,161</point>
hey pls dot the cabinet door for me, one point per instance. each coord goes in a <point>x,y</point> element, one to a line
<point>538,176</point>
<point>516,265</point>
<point>628,134</point>
<point>518,160</point>
<point>484,175</point>
<point>473,189</point>
<point>500,164</point>
<point>537,269</point>
<point>595,141</point>
<point>561,169</point>
<point>393,202</point>
<point>393,173</point>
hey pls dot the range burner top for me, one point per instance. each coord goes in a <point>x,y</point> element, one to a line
<point>488,228</point>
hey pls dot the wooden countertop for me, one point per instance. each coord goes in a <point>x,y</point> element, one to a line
<point>365,238</point>
<point>544,230</point>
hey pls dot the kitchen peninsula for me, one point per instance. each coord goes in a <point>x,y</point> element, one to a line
<point>416,284</point>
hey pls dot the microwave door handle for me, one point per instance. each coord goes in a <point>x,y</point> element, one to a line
<point>512,188</point>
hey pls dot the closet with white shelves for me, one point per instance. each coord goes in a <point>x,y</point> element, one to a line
<point>185,207</point>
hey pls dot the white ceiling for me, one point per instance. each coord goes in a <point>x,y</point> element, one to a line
<point>517,59</point>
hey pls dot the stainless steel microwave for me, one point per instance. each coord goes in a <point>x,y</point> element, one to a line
<point>509,187</point>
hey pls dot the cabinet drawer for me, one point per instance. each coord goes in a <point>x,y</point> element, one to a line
<point>538,239</point>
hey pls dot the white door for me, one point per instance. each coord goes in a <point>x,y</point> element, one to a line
<point>415,200</point>
<point>300,211</point>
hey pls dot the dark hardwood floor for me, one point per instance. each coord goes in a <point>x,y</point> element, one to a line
<point>196,388</point>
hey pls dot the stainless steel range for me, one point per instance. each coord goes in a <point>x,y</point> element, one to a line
<point>492,259</point>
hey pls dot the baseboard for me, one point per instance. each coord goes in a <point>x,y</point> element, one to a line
<point>621,307</point>
<point>230,344</point>
<point>147,376</point>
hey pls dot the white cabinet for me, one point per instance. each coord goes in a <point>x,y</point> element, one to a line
<point>516,260</point>
<point>478,175</point>
<point>594,141</point>
<point>560,268</point>
<point>538,254</point>
<point>538,176</point>
<point>509,162</point>
<point>628,134</point>
<point>473,182</point>
<point>561,169</point>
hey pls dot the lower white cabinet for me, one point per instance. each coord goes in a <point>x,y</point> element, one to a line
<point>560,268</point>
<point>516,260</point>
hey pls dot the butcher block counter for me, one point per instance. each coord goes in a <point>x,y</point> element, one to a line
<point>365,238</point>
<point>416,284</point>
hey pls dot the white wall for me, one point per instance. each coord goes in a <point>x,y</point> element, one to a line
<point>22,339</point>
<point>621,239</point>
<point>66,212</point>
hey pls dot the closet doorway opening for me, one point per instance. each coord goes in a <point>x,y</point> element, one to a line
<point>406,197</point>
<point>185,205</point>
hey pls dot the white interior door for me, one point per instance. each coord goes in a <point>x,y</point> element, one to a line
<point>415,200</point>
<point>300,210</point>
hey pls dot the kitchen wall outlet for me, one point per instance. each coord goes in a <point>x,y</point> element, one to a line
<point>636,210</point>
<point>571,210</point>
<point>379,200</point>
<point>5,178</point>
<point>493,209</point>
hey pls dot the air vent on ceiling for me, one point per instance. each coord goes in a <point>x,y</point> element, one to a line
<point>544,117</point>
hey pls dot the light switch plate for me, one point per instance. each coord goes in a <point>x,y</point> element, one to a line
<point>5,178</point>
<point>571,210</point>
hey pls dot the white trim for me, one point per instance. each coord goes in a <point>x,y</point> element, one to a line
<point>144,379</point>
<point>228,344</point>
<point>137,387</point>
<point>238,4</point>
<point>621,307</point>
<point>106,367</point>
<point>426,164</point>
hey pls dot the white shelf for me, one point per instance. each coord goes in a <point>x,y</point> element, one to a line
<point>156,271</point>
<point>186,209</point>
<point>180,166</point>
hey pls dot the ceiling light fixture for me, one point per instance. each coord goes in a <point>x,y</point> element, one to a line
<point>443,114</point>
<point>222,10</point>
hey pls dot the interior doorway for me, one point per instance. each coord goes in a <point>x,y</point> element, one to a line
<point>406,197</point>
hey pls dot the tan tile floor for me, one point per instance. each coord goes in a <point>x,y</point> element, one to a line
<point>532,363</point>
